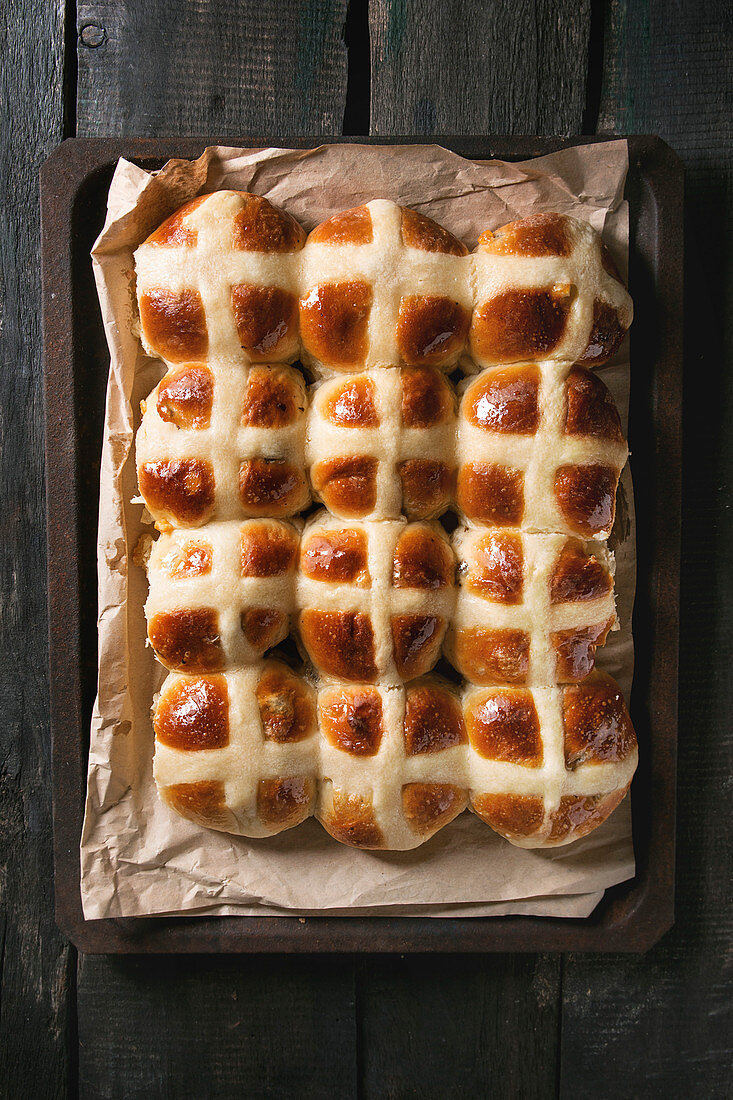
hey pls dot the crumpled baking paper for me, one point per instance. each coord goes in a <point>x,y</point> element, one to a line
<point>137,857</point>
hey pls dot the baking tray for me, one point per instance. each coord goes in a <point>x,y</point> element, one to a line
<point>632,916</point>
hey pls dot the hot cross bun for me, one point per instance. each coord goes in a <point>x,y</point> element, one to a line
<point>549,764</point>
<point>383,285</point>
<point>374,599</point>
<point>238,750</point>
<point>254,752</point>
<point>218,281</point>
<point>531,609</point>
<point>223,443</point>
<point>380,303</point>
<point>393,762</point>
<point>546,288</point>
<point>540,447</point>
<point>221,595</point>
<point>381,444</point>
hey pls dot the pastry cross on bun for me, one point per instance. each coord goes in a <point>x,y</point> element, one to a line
<point>221,595</point>
<point>374,598</point>
<point>238,751</point>
<point>253,751</point>
<point>540,447</point>
<point>548,765</point>
<point>223,443</point>
<point>382,285</point>
<point>546,287</point>
<point>381,443</point>
<point>218,280</point>
<point>395,762</point>
<point>380,303</point>
<point>531,609</point>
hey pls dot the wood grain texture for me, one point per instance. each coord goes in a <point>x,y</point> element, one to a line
<point>456,1027</point>
<point>256,1027</point>
<point>661,1024</point>
<point>35,964</point>
<point>205,1026</point>
<point>488,1025</point>
<point>508,67</point>
<point>164,67</point>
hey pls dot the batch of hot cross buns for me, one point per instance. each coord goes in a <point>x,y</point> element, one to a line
<point>461,522</point>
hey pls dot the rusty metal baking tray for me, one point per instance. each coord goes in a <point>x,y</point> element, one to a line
<point>633,915</point>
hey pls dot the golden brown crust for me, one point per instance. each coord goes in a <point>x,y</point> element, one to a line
<point>492,656</point>
<point>598,728</point>
<point>503,725</point>
<point>426,487</point>
<point>341,643</point>
<point>537,235</point>
<point>174,323</point>
<point>270,488</point>
<point>267,321</point>
<point>609,264</point>
<point>336,557</point>
<point>416,643</point>
<point>431,330</point>
<point>272,398</point>
<point>512,815</point>
<point>353,405</point>
<point>590,409</point>
<point>580,815</point>
<point>203,802</point>
<point>349,227</point>
<point>181,487</point>
<point>575,650</point>
<point>192,560</point>
<point>433,720</point>
<point>426,397</point>
<point>425,234</point>
<point>578,575</point>
<point>429,806</point>
<point>348,484</point>
<point>586,497</point>
<point>287,707</point>
<point>194,715</point>
<point>351,719</point>
<point>187,640</point>
<point>351,820</point>
<point>422,559</point>
<point>606,334</point>
<point>263,627</point>
<point>334,321</point>
<point>261,227</point>
<point>497,570</point>
<point>506,400</point>
<point>491,494</point>
<point>268,549</point>
<point>284,802</point>
<point>186,397</point>
<point>173,231</point>
<point>521,323</point>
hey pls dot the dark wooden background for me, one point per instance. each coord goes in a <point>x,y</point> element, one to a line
<point>489,1026</point>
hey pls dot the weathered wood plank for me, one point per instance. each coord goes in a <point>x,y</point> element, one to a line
<point>456,1027</point>
<point>256,1027</point>
<point>35,964</point>
<point>204,1026</point>
<point>508,67</point>
<point>166,67</point>
<point>489,1024</point>
<point>661,1025</point>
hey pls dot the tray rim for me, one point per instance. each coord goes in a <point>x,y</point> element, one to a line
<point>634,915</point>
